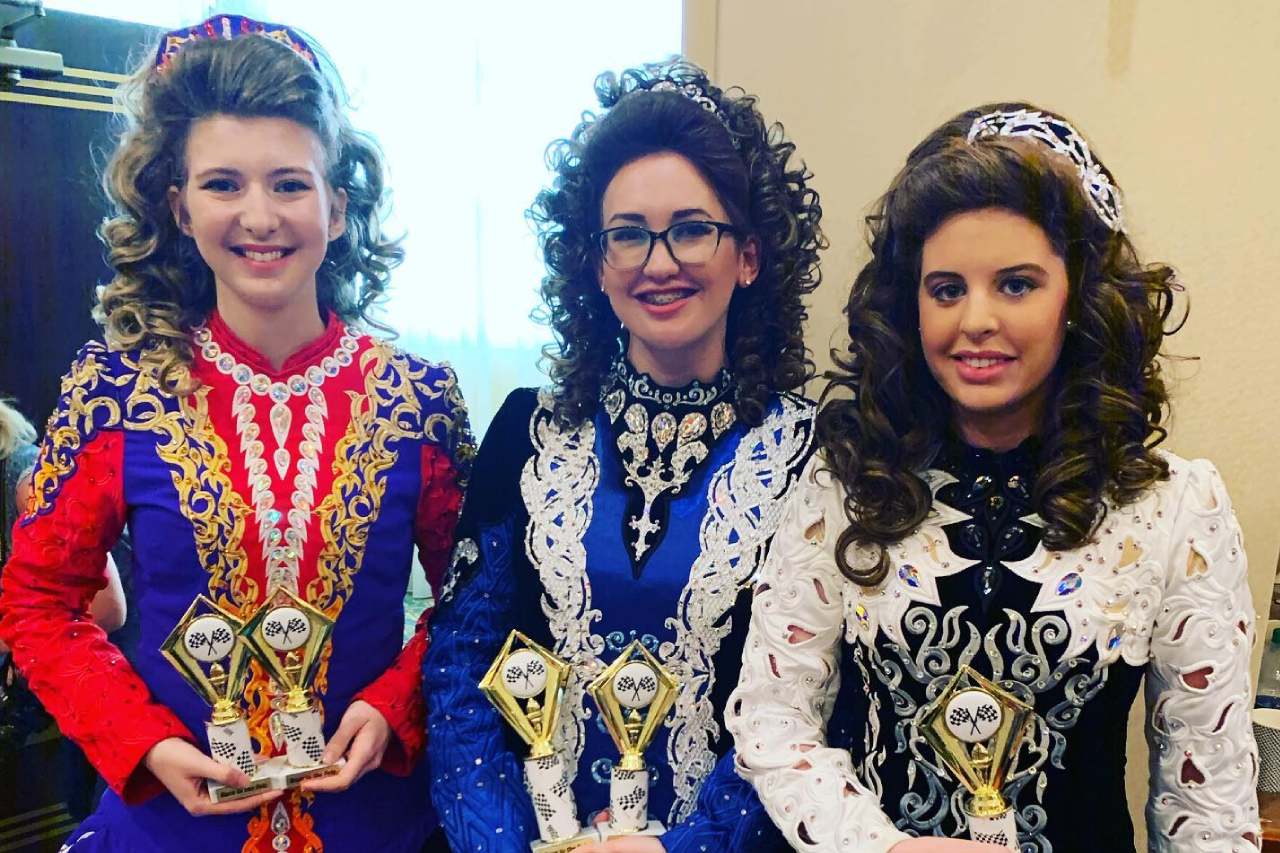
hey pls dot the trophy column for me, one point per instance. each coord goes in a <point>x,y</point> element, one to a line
<point>975,727</point>
<point>634,694</point>
<point>526,684</point>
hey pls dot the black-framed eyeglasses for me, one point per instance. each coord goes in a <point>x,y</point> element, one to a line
<point>628,247</point>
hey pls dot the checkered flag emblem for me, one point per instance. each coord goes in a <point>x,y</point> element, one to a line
<point>983,714</point>
<point>516,675</point>
<point>636,687</point>
<point>285,630</point>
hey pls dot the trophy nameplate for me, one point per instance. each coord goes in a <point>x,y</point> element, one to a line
<point>204,647</point>
<point>526,684</point>
<point>976,727</point>
<point>634,694</point>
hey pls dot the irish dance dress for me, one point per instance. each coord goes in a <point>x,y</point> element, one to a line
<point>646,521</point>
<point>320,476</point>
<point>1159,594</point>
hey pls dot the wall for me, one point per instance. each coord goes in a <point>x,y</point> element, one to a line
<point>1178,97</point>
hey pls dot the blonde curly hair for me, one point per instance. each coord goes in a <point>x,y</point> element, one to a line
<point>15,431</point>
<point>161,286</point>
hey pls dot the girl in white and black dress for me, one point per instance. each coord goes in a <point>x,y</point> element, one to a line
<point>991,496</point>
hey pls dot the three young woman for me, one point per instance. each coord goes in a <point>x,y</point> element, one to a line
<point>635,499</point>
<point>990,497</point>
<point>251,439</point>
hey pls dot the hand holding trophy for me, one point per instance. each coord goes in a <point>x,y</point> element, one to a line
<point>287,636</point>
<point>634,694</point>
<point>204,648</point>
<point>526,684</point>
<point>975,727</point>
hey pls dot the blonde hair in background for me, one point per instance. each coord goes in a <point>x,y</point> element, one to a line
<point>15,430</point>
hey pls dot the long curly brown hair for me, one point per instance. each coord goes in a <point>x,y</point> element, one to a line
<point>161,286</point>
<point>749,165</point>
<point>884,417</point>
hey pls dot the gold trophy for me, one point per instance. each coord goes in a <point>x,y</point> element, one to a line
<point>526,684</point>
<point>204,648</point>
<point>976,727</point>
<point>288,636</point>
<point>634,694</point>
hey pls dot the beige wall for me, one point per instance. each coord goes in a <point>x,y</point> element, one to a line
<point>1179,98</point>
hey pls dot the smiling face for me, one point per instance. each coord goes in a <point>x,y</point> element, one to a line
<point>257,204</point>
<point>676,313</point>
<point>993,309</point>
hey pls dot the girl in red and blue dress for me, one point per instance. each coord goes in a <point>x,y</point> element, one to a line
<point>251,437</point>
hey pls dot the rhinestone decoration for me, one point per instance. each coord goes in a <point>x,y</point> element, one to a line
<point>1070,583</point>
<point>280,549</point>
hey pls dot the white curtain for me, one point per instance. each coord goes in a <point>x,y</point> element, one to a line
<point>464,98</point>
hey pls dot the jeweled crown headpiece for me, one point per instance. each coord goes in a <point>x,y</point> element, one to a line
<point>692,91</point>
<point>1061,137</point>
<point>226,28</point>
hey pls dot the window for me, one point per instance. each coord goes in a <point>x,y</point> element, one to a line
<point>464,98</point>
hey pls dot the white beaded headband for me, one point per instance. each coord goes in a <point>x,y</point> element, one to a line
<point>1060,136</point>
<point>693,92</point>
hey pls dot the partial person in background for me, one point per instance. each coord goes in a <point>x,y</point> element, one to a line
<point>24,752</point>
<point>988,493</point>
<point>255,439</point>
<point>635,498</point>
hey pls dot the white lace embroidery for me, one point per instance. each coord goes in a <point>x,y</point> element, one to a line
<point>745,495</point>
<point>465,553</point>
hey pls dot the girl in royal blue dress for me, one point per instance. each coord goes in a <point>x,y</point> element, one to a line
<point>635,498</point>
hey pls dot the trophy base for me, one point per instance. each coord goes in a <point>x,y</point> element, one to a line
<point>1000,830</point>
<point>588,835</point>
<point>274,774</point>
<point>653,827</point>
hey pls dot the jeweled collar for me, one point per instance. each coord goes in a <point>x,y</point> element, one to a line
<point>308,354</point>
<point>644,388</point>
<point>283,534</point>
<point>993,489</point>
<point>662,435</point>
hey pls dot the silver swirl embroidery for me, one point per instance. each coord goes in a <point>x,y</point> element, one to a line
<point>557,484</point>
<point>945,644</point>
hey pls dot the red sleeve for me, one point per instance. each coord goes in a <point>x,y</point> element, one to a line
<point>57,565</point>
<point>397,693</point>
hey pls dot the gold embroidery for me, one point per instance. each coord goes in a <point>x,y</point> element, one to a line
<point>387,411</point>
<point>83,402</point>
<point>199,468</point>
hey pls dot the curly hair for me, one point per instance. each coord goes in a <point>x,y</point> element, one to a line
<point>161,286</point>
<point>748,164</point>
<point>883,416</point>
